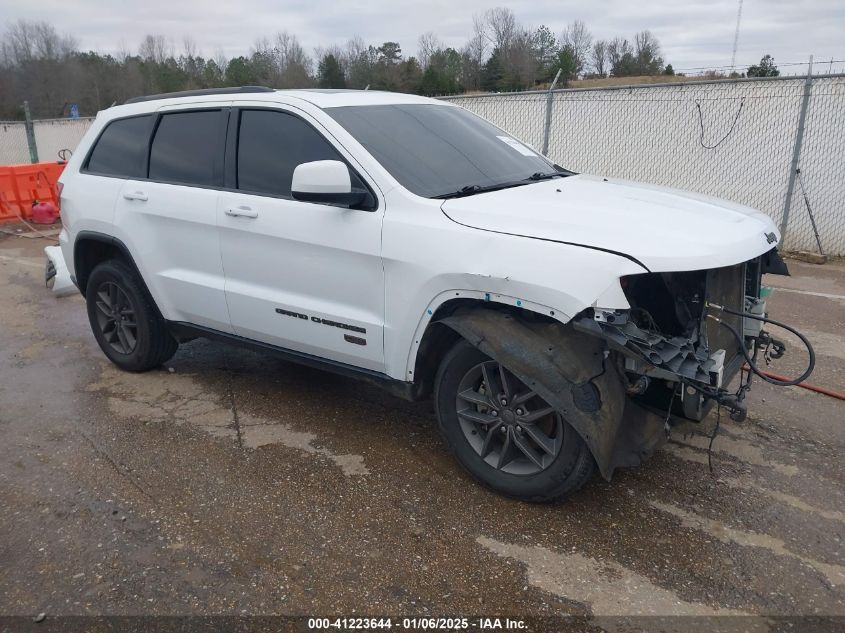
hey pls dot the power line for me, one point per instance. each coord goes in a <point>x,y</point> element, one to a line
<point>804,63</point>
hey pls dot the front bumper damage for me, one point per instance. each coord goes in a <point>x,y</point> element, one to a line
<point>619,377</point>
<point>650,356</point>
<point>676,356</point>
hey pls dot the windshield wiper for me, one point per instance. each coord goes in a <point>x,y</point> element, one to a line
<point>540,175</point>
<point>470,190</point>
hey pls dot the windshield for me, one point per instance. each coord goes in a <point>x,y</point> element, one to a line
<point>439,151</point>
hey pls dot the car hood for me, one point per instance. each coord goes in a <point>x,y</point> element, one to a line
<point>663,229</point>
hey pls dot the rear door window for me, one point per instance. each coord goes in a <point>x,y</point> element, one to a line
<point>121,148</point>
<point>187,148</point>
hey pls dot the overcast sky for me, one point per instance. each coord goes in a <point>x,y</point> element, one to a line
<point>693,33</point>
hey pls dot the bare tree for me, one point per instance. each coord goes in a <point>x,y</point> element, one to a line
<point>427,45</point>
<point>598,58</point>
<point>647,53</point>
<point>122,52</point>
<point>25,41</point>
<point>220,59</point>
<point>578,39</point>
<point>189,47</point>
<point>473,54</point>
<point>290,50</point>
<point>281,62</point>
<point>358,62</point>
<point>50,45</point>
<point>155,48</point>
<point>261,46</point>
<point>501,26</point>
<point>522,58</point>
<point>18,43</point>
<point>39,65</point>
<point>617,49</point>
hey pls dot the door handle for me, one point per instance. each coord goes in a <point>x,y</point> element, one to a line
<point>136,195</point>
<point>242,211</point>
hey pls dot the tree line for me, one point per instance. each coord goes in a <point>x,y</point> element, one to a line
<point>46,68</point>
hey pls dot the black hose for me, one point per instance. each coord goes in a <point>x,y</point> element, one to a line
<point>751,365</point>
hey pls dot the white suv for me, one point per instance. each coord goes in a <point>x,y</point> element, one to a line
<point>558,319</point>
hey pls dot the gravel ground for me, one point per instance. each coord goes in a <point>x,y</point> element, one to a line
<point>230,483</point>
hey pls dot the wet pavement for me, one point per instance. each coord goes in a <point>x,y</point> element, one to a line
<point>233,483</point>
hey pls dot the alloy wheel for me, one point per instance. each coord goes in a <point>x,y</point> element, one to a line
<point>116,318</point>
<point>507,424</point>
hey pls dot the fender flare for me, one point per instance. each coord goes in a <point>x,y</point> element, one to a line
<point>573,373</point>
<point>109,240</point>
<point>103,238</point>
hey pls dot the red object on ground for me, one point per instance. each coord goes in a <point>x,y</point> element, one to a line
<point>804,385</point>
<point>23,186</point>
<point>44,212</point>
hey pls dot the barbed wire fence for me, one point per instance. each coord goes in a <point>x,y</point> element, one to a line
<point>733,139</point>
<point>775,144</point>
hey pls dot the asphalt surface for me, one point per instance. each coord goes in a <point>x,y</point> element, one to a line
<point>233,483</point>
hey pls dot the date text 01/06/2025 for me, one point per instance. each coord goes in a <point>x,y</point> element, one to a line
<point>417,624</point>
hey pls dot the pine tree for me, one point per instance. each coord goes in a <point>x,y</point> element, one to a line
<point>329,73</point>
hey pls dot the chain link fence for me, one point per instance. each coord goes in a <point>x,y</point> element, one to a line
<point>50,136</point>
<point>734,139</point>
<point>13,144</point>
<point>54,135</point>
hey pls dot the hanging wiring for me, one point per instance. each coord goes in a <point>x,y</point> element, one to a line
<point>752,365</point>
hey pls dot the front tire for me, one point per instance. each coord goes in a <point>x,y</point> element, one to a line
<point>125,323</point>
<point>504,434</point>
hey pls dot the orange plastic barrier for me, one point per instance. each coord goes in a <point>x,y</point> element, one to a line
<point>20,185</point>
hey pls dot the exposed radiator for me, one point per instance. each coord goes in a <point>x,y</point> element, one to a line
<point>725,287</point>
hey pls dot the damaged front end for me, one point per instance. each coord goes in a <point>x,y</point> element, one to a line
<point>619,377</point>
<point>676,355</point>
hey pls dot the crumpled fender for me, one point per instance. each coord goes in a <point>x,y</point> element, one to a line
<point>571,372</point>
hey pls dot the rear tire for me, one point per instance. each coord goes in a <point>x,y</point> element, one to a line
<point>125,323</point>
<point>505,437</point>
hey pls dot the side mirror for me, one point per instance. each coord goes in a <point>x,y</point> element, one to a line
<point>324,182</point>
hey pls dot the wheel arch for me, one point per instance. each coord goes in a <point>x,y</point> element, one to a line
<point>538,302</point>
<point>434,339</point>
<point>91,248</point>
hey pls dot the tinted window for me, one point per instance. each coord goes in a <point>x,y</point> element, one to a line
<point>435,149</point>
<point>271,145</point>
<point>121,147</point>
<point>186,147</point>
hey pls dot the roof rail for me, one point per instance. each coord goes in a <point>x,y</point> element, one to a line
<point>199,93</point>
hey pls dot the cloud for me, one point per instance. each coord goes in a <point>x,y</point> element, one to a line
<point>692,34</point>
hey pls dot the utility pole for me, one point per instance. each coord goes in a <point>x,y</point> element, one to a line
<point>736,37</point>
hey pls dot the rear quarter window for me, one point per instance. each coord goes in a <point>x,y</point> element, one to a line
<point>120,149</point>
